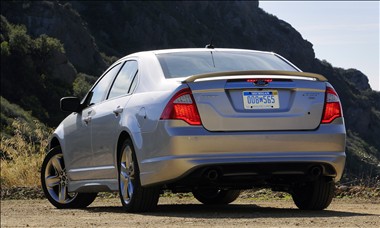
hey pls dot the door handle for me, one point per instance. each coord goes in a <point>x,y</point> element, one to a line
<point>118,110</point>
<point>87,120</point>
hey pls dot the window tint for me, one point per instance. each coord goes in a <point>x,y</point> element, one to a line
<point>99,91</point>
<point>184,64</point>
<point>123,81</point>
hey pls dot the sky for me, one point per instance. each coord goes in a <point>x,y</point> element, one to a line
<point>344,33</point>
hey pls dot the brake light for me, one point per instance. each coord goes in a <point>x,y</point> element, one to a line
<point>332,109</point>
<point>256,80</point>
<point>182,107</point>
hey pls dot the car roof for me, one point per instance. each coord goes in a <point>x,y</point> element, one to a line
<point>165,51</point>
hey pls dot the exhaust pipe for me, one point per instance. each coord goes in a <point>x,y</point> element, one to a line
<point>211,174</point>
<point>316,171</point>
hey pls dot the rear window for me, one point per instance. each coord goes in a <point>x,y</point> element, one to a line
<point>183,64</point>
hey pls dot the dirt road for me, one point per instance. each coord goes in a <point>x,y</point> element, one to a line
<point>187,212</point>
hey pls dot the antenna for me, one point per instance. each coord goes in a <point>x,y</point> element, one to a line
<point>210,44</point>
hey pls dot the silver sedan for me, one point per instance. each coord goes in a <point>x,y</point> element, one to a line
<point>208,121</point>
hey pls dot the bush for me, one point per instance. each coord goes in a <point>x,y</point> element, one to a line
<point>5,49</point>
<point>22,155</point>
<point>31,77</point>
<point>82,84</point>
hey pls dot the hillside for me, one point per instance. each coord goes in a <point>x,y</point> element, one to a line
<point>84,37</point>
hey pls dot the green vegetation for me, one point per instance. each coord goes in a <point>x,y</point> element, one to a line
<point>27,74</point>
<point>11,112</point>
<point>27,80</point>
<point>82,84</point>
<point>109,59</point>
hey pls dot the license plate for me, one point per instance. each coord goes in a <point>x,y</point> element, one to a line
<point>267,99</point>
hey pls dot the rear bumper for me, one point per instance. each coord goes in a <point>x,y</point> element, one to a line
<point>180,149</point>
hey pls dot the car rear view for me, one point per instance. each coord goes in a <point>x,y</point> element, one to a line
<point>208,121</point>
<point>248,119</point>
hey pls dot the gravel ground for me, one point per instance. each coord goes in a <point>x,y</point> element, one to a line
<point>185,211</point>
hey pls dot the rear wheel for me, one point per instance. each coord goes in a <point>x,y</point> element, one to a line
<point>316,195</point>
<point>216,196</point>
<point>54,183</point>
<point>133,196</point>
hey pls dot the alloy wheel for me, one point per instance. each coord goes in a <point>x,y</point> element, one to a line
<point>56,180</point>
<point>127,175</point>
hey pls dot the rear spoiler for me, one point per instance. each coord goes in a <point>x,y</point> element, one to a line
<point>255,72</point>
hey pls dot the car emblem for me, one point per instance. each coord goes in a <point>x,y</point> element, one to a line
<point>261,83</point>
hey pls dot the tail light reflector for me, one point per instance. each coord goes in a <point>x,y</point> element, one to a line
<point>182,107</point>
<point>332,109</point>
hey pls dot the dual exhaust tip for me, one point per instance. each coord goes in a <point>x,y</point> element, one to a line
<point>213,174</point>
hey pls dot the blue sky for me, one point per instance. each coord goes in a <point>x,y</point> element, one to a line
<point>345,33</point>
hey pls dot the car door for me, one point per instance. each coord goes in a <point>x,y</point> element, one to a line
<point>77,145</point>
<point>78,135</point>
<point>106,122</point>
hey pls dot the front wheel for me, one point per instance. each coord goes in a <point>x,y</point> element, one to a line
<point>133,196</point>
<point>54,183</point>
<point>316,195</point>
<point>216,196</point>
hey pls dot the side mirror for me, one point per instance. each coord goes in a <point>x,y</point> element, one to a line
<point>70,104</point>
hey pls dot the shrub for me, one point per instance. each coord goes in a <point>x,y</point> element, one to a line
<point>22,155</point>
<point>82,84</point>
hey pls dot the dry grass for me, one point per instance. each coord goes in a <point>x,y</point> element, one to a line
<point>22,155</point>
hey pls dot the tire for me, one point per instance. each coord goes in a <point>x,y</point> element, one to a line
<point>54,183</point>
<point>216,196</point>
<point>133,196</point>
<point>315,195</point>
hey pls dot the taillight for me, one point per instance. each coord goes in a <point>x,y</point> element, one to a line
<point>260,79</point>
<point>182,107</point>
<point>332,109</point>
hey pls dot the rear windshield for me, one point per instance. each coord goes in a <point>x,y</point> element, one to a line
<point>183,64</point>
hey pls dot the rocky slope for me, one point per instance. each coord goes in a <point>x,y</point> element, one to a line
<point>93,31</point>
<point>61,22</point>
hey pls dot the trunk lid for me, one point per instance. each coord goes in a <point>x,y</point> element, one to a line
<point>259,103</point>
